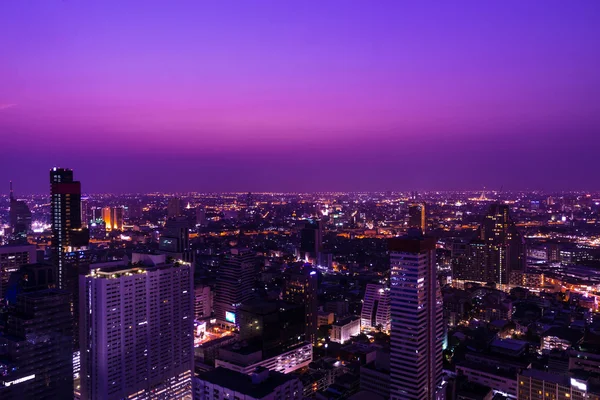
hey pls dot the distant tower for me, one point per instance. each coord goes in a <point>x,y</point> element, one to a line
<point>19,217</point>
<point>311,239</point>
<point>67,232</point>
<point>113,218</point>
<point>417,320</point>
<point>301,286</point>
<point>175,240</point>
<point>498,250</point>
<point>416,217</point>
<point>174,207</point>
<point>235,284</point>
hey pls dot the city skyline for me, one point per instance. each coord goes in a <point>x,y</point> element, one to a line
<point>312,97</point>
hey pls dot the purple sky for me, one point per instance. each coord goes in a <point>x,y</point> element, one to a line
<point>301,95</point>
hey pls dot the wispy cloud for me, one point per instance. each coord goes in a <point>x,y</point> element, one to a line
<point>4,106</point>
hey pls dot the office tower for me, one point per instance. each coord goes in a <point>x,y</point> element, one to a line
<point>375,313</point>
<point>174,207</point>
<point>175,240</point>
<point>19,217</point>
<point>203,302</point>
<point>137,331</point>
<point>85,212</point>
<point>416,217</point>
<point>301,287</point>
<point>67,233</point>
<point>498,250</point>
<point>276,325</point>
<point>235,284</point>
<point>311,239</point>
<point>113,218</point>
<point>36,361</point>
<point>417,320</point>
<point>12,257</point>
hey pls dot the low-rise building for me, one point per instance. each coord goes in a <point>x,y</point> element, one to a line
<point>261,384</point>
<point>343,330</point>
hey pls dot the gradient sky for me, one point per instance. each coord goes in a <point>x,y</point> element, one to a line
<point>301,95</point>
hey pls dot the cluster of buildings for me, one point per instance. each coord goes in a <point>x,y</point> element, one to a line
<point>293,296</point>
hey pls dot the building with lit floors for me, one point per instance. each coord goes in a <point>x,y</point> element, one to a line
<point>235,284</point>
<point>311,240</point>
<point>301,287</point>
<point>12,257</point>
<point>496,253</point>
<point>36,340</point>
<point>343,330</point>
<point>417,331</point>
<point>67,233</point>
<point>137,331</point>
<point>375,313</point>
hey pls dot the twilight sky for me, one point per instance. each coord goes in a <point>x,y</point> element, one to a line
<point>300,95</point>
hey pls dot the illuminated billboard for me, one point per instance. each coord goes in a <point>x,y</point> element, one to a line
<point>230,317</point>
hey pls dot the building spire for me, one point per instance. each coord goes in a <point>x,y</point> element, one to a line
<point>11,191</point>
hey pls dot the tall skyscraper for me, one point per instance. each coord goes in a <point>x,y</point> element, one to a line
<point>498,250</point>
<point>37,359</point>
<point>235,284</point>
<point>311,239</point>
<point>19,217</point>
<point>175,240</point>
<point>137,331</point>
<point>301,286</point>
<point>375,313</point>
<point>174,207</point>
<point>85,212</point>
<point>67,232</point>
<point>417,217</point>
<point>113,218</point>
<point>417,320</point>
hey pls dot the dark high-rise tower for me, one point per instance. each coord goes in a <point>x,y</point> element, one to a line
<point>301,287</point>
<point>235,282</point>
<point>19,217</point>
<point>67,232</point>
<point>37,359</point>
<point>311,239</point>
<point>175,240</point>
<point>498,250</point>
<point>416,216</point>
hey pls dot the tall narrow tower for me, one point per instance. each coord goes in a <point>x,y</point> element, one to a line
<point>417,321</point>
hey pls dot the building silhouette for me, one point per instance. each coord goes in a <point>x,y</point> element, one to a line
<point>301,287</point>
<point>417,217</point>
<point>174,207</point>
<point>175,240</point>
<point>235,284</point>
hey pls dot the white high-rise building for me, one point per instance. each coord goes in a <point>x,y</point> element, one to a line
<point>375,313</point>
<point>417,321</point>
<point>136,331</point>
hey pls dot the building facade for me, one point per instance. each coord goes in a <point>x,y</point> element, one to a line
<point>375,313</point>
<point>235,284</point>
<point>417,320</point>
<point>137,332</point>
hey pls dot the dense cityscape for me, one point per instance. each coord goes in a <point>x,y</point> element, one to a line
<point>415,295</point>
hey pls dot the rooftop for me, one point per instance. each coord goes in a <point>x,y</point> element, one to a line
<point>242,383</point>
